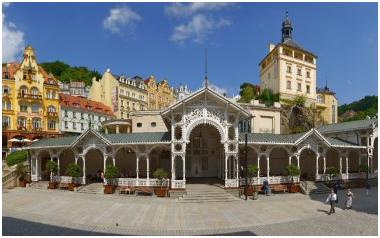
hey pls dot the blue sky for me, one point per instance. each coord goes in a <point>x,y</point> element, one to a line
<point>168,40</point>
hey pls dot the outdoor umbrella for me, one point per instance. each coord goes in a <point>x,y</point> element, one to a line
<point>15,140</point>
<point>26,140</point>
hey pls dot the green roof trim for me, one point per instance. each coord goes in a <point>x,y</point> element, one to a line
<point>348,126</point>
<point>53,142</point>
<point>142,137</point>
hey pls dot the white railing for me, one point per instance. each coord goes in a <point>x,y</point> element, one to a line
<point>68,179</point>
<point>142,182</point>
<point>178,183</point>
<point>272,180</point>
<point>231,183</point>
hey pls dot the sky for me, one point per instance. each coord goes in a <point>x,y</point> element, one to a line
<point>168,40</point>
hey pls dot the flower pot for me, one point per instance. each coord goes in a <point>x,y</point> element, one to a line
<point>109,189</point>
<point>161,192</point>
<point>22,183</point>
<point>72,186</point>
<point>293,188</point>
<point>255,195</point>
<point>248,191</point>
<point>52,185</point>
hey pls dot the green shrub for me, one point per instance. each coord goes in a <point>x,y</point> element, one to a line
<point>160,174</point>
<point>21,171</point>
<point>252,170</point>
<point>363,168</point>
<point>16,157</point>
<point>293,170</point>
<point>73,170</point>
<point>51,167</point>
<point>332,171</point>
<point>111,173</point>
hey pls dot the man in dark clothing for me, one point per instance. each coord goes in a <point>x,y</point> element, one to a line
<point>335,187</point>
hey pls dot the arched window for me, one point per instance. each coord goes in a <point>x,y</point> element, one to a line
<point>6,90</point>
<point>53,94</point>
<point>21,122</point>
<point>34,91</point>
<point>23,90</point>
<point>36,122</point>
<point>51,108</point>
<point>35,107</point>
<point>9,105</point>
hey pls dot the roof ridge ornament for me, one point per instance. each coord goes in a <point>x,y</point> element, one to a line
<point>206,77</point>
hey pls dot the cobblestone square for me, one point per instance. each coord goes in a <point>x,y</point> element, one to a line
<point>52,212</point>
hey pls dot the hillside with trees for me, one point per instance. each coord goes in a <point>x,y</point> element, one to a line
<point>66,73</point>
<point>358,110</point>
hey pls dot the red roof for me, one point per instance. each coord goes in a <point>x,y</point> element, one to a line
<point>11,68</point>
<point>84,104</point>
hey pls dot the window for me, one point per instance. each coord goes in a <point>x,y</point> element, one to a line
<point>299,72</point>
<point>139,124</point>
<point>51,124</point>
<point>51,108</point>
<point>289,69</point>
<point>53,95</point>
<point>34,91</point>
<point>333,114</point>
<point>307,88</point>
<point>307,74</point>
<point>23,108</point>
<point>141,107</point>
<point>319,99</point>
<point>288,85</point>
<point>74,125</point>
<point>9,105</point>
<point>299,87</point>
<point>74,115</point>
<point>81,115</point>
<point>6,122</point>
<point>21,122</point>
<point>82,126</point>
<point>153,124</point>
<point>133,106</point>
<point>66,125</point>
<point>23,90</point>
<point>36,122</point>
<point>6,90</point>
<point>35,107</point>
<point>65,113</point>
<point>127,93</point>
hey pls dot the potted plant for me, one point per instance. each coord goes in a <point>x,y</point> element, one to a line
<point>293,171</point>
<point>74,171</point>
<point>331,172</point>
<point>21,172</point>
<point>110,175</point>
<point>161,174</point>
<point>52,169</point>
<point>252,173</point>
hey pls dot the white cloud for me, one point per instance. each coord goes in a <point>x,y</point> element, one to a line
<point>121,17</point>
<point>222,91</point>
<point>198,28</point>
<point>6,4</point>
<point>13,39</point>
<point>188,9</point>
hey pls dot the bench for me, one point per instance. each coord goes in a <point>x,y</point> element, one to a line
<point>276,188</point>
<point>144,190</point>
<point>126,189</point>
<point>63,186</point>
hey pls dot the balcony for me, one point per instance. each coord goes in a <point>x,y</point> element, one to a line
<point>29,96</point>
<point>52,114</point>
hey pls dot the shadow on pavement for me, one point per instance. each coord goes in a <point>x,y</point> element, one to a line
<point>239,233</point>
<point>18,227</point>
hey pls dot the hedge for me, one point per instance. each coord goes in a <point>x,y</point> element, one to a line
<point>16,157</point>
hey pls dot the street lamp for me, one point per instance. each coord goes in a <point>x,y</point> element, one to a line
<point>246,157</point>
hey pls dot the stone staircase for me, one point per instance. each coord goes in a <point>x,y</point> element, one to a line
<point>92,188</point>
<point>196,193</point>
<point>39,185</point>
<point>312,187</point>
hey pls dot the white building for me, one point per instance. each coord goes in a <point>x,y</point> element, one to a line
<point>181,92</point>
<point>78,113</point>
<point>74,88</point>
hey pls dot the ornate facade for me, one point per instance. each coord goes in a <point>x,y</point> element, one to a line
<point>160,95</point>
<point>202,139</point>
<point>30,100</point>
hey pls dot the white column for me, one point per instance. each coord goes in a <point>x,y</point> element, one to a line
<point>298,161</point>
<point>58,165</point>
<point>237,168</point>
<point>267,157</point>
<point>137,166</point>
<point>290,160</point>
<point>258,166</point>
<point>76,160</point>
<point>84,169</point>
<point>104,166</point>
<point>316,166</point>
<point>324,164</point>
<point>226,167</point>
<point>51,174</point>
<point>113,161</point>
<point>340,165</point>
<point>147,167</point>
<point>183,168</point>
<point>37,168</point>
<point>347,165</point>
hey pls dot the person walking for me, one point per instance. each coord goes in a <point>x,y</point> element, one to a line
<point>367,188</point>
<point>335,187</point>
<point>350,196</point>
<point>331,199</point>
<point>266,187</point>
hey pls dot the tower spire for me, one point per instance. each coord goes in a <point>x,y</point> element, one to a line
<point>286,28</point>
<point>206,77</point>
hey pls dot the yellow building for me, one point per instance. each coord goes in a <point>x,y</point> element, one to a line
<point>122,94</point>
<point>30,100</point>
<point>160,95</point>
<point>327,104</point>
<point>289,69</point>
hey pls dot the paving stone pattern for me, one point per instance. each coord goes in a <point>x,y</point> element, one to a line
<point>71,213</point>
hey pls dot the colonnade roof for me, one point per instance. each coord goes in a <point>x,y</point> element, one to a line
<point>349,126</point>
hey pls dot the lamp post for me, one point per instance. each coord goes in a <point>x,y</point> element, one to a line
<point>246,156</point>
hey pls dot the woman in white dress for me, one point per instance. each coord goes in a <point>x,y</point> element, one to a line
<point>350,196</point>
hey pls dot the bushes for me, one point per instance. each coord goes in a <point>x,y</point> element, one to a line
<point>332,171</point>
<point>111,174</point>
<point>16,157</point>
<point>73,170</point>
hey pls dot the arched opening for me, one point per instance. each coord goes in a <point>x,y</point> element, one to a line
<point>142,167</point>
<point>94,165</point>
<point>353,161</point>
<point>178,163</point>
<point>333,158</point>
<point>125,161</point>
<point>263,166</point>
<point>231,167</point>
<point>320,165</point>
<point>251,158</point>
<point>43,157</point>
<point>308,164</point>
<point>159,157</point>
<point>278,160</point>
<point>66,157</point>
<point>204,152</point>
